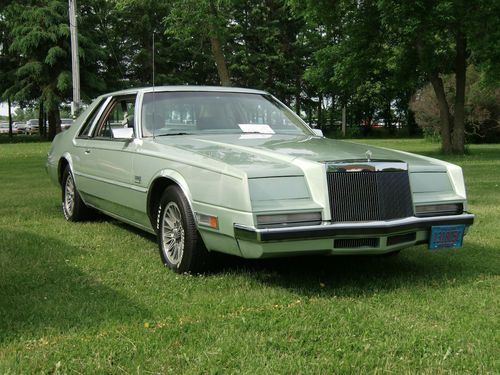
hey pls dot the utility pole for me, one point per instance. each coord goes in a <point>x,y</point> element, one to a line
<point>75,63</point>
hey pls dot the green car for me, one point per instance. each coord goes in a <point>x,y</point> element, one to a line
<point>212,169</point>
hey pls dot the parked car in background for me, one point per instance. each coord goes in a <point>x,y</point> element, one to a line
<point>32,126</point>
<point>20,127</point>
<point>4,128</point>
<point>212,169</point>
<point>66,123</point>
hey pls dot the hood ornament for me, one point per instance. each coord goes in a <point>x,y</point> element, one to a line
<point>368,155</point>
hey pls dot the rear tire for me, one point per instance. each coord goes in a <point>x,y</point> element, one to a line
<point>72,204</point>
<point>181,247</point>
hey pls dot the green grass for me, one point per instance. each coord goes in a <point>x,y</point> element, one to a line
<point>93,297</point>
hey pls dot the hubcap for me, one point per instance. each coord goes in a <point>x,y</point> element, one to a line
<point>173,234</point>
<point>69,196</point>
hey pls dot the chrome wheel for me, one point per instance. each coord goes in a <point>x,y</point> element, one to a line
<point>172,234</point>
<point>69,197</point>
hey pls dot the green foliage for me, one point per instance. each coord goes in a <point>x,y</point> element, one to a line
<point>317,56</point>
<point>378,52</point>
<point>40,35</point>
<point>482,103</point>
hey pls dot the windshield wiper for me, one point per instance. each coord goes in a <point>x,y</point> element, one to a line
<point>169,134</point>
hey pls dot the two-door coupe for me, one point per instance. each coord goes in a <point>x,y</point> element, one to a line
<point>235,171</point>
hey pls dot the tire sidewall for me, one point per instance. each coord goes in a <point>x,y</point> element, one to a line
<point>80,210</point>
<point>174,194</point>
<point>68,216</point>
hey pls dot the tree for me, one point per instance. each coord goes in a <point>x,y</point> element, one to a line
<point>268,48</point>
<point>204,19</point>
<point>482,105</point>
<point>8,63</point>
<point>40,35</point>
<point>444,35</point>
<point>380,44</point>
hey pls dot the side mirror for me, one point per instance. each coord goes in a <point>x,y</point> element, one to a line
<point>318,132</point>
<point>123,133</point>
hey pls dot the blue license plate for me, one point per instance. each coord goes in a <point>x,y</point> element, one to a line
<point>446,236</point>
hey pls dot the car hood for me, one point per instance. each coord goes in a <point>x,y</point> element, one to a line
<point>278,154</point>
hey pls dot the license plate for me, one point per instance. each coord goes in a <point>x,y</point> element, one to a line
<point>446,236</point>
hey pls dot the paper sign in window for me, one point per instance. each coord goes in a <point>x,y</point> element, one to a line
<point>256,128</point>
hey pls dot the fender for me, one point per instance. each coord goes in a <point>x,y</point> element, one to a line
<point>177,179</point>
<point>67,156</point>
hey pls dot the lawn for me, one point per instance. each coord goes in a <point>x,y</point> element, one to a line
<point>93,297</point>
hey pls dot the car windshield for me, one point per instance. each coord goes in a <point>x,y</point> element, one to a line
<point>176,113</point>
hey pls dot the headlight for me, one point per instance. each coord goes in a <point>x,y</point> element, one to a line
<point>439,209</point>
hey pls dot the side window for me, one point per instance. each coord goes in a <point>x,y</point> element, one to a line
<point>84,132</point>
<point>119,114</point>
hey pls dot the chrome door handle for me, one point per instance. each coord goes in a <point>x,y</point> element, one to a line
<point>87,152</point>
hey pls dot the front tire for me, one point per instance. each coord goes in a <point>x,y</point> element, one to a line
<point>181,247</point>
<point>72,204</point>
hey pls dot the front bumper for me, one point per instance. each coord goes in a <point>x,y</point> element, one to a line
<point>332,230</point>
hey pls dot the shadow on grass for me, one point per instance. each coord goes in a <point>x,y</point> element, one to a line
<point>354,276</point>
<point>41,291</point>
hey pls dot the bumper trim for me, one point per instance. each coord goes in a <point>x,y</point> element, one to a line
<point>331,230</point>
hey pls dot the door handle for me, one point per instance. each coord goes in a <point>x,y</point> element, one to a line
<point>87,152</point>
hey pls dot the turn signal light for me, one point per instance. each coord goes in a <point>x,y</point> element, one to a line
<point>208,220</point>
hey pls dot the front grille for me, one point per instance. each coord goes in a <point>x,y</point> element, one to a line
<point>351,243</point>
<point>369,195</point>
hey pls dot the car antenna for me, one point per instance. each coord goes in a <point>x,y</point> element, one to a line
<point>154,101</point>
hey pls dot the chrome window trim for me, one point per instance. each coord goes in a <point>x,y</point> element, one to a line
<point>104,105</point>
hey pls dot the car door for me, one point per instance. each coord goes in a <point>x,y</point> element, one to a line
<point>105,161</point>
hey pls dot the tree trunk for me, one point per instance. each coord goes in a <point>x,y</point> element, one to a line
<point>220,61</point>
<point>444,109</point>
<point>458,136</point>
<point>54,122</point>
<point>10,117</point>
<point>218,53</point>
<point>444,112</point>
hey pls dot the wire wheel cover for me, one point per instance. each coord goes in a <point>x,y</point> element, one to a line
<point>173,234</point>
<point>69,196</point>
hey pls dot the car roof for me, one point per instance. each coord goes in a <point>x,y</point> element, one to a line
<point>186,88</point>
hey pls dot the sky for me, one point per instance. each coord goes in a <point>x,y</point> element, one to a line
<point>4,109</point>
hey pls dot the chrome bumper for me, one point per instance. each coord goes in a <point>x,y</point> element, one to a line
<point>331,230</point>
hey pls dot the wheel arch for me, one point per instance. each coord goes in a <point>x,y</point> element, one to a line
<point>158,186</point>
<point>64,161</point>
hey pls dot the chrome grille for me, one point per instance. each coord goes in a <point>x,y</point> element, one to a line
<point>369,195</point>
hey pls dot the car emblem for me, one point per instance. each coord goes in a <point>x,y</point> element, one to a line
<point>368,154</point>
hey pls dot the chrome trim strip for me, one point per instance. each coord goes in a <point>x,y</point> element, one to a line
<point>111,182</point>
<point>362,165</point>
<point>329,230</point>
